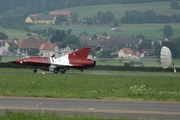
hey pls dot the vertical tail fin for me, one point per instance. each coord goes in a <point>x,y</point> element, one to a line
<point>82,53</point>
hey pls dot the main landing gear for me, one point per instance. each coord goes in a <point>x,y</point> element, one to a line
<point>63,72</point>
<point>35,70</point>
<point>56,70</point>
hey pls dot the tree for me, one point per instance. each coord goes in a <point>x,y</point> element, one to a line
<point>115,22</point>
<point>106,54</point>
<point>167,31</point>
<point>104,33</point>
<point>175,18</point>
<point>109,16</point>
<point>141,36</point>
<point>60,19</point>
<point>94,37</point>
<point>89,21</point>
<point>72,39</point>
<point>174,4</point>
<point>3,36</point>
<point>74,18</point>
<point>14,19</point>
<point>85,32</point>
<point>101,17</point>
<point>60,35</point>
<point>144,45</point>
<point>51,31</point>
<point>178,46</point>
<point>12,47</point>
<point>69,31</point>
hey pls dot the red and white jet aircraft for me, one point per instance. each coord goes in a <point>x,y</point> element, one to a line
<point>77,59</point>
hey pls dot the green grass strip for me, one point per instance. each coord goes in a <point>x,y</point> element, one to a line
<point>46,116</point>
<point>130,85</point>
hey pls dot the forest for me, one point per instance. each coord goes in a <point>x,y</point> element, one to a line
<point>38,6</point>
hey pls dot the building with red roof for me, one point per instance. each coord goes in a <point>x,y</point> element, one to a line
<point>48,49</point>
<point>66,14</point>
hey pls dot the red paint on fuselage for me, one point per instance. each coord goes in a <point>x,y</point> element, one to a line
<point>79,54</point>
<point>34,61</point>
<point>78,59</point>
<point>82,63</point>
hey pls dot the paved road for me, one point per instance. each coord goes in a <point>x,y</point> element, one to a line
<point>104,108</point>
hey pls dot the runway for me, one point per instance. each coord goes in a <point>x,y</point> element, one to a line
<point>105,108</point>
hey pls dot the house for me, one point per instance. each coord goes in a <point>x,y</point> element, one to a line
<point>129,42</point>
<point>102,43</point>
<point>1,47</point>
<point>109,43</point>
<point>68,48</point>
<point>84,37</point>
<point>170,40</point>
<point>145,52</point>
<point>48,49</point>
<point>82,20</point>
<point>7,44</point>
<point>31,18</point>
<point>66,14</point>
<point>125,53</point>
<point>59,44</point>
<point>97,49</point>
<point>91,43</point>
<point>136,52</point>
<point>30,44</point>
<point>40,19</point>
<point>45,19</point>
<point>101,37</point>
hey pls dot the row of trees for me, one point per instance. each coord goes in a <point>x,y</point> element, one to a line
<point>102,18</point>
<point>174,4</point>
<point>148,17</point>
<point>14,19</point>
<point>38,6</point>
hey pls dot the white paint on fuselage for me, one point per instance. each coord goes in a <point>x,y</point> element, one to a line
<point>61,61</point>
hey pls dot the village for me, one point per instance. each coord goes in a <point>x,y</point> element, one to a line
<point>125,46</point>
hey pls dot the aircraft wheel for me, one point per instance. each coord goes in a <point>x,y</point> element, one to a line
<point>35,70</point>
<point>56,70</point>
<point>63,72</point>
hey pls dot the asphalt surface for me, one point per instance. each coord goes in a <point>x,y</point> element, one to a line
<point>105,108</point>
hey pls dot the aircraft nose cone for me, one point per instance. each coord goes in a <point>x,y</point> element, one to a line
<point>12,61</point>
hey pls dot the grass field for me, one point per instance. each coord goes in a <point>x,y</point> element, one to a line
<point>119,10</point>
<point>131,85</point>
<point>10,58</point>
<point>29,116</point>
<point>76,29</point>
<point>150,31</point>
<point>12,33</point>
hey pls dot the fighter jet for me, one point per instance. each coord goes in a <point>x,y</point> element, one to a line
<point>77,59</point>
